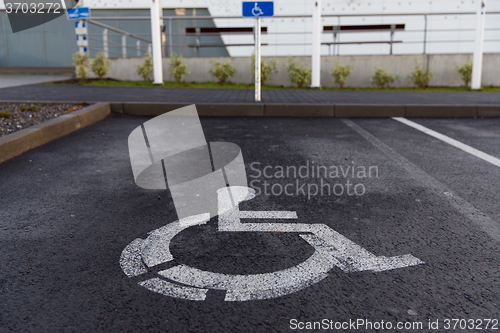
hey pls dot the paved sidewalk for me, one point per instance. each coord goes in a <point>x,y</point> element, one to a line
<point>193,95</point>
<point>11,80</point>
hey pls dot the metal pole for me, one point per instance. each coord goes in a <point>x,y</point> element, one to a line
<point>81,35</point>
<point>392,36</point>
<point>316,46</point>
<point>338,30</point>
<point>334,39</point>
<point>170,37</point>
<point>162,31</point>
<point>105,46</point>
<point>156,41</point>
<point>198,42</point>
<point>164,44</point>
<point>85,37</point>
<point>477,66</point>
<point>78,36</point>
<point>257,59</point>
<point>124,46</point>
<point>138,45</point>
<point>425,33</point>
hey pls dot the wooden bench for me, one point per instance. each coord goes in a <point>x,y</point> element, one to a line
<point>392,28</point>
<point>198,32</point>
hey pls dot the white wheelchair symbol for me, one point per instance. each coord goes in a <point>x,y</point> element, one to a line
<point>256,11</point>
<point>182,281</point>
<point>203,187</point>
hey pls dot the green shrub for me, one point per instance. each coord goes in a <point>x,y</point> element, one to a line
<point>297,74</point>
<point>420,76</point>
<point>80,60</point>
<point>465,72</point>
<point>382,78</point>
<point>100,65</point>
<point>340,73</point>
<point>265,69</point>
<point>146,68</point>
<point>5,114</point>
<point>32,108</point>
<point>222,71</point>
<point>178,67</point>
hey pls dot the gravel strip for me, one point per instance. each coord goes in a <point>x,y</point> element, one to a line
<point>25,115</point>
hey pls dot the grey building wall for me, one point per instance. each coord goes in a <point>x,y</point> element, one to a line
<point>50,44</point>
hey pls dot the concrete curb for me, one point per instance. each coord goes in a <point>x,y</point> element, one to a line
<point>17,143</point>
<point>204,109</point>
<point>441,111</point>
<point>230,110</point>
<point>299,110</point>
<point>488,111</point>
<point>313,110</point>
<point>363,110</point>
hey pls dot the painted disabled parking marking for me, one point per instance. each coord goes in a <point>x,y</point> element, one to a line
<point>208,180</point>
<point>331,250</point>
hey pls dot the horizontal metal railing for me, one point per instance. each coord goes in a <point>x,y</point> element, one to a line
<point>335,33</point>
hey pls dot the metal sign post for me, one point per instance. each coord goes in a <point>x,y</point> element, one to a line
<point>257,60</point>
<point>79,13</point>
<point>477,66</point>
<point>258,10</point>
<point>81,36</point>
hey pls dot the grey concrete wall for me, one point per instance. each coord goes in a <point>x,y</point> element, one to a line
<point>444,66</point>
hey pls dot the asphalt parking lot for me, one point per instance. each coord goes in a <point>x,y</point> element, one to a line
<point>70,207</point>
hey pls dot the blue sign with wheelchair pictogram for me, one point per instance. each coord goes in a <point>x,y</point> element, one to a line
<point>78,13</point>
<point>258,9</point>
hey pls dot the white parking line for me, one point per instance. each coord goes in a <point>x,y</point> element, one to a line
<point>486,223</point>
<point>450,141</point>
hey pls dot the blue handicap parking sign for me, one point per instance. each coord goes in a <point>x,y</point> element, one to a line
<point>258,9</point>
<point>78,13</point>
<point>73,13</point>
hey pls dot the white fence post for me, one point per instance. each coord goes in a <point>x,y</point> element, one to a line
<point>316,45</point>
<point>156,41</point>
<point>477,66</point>
<point>124,46</point>
<point>425,33</point>
<point>138,45</point>
<point>105,46</point>
<point>257,59</point>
